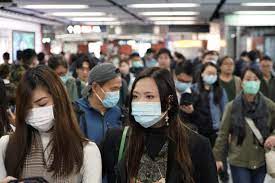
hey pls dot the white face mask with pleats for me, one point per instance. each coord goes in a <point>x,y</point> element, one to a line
<point>41,118</point>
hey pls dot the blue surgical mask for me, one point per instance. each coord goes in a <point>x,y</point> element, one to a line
<point>181,86</point>
<point>111,98</point>
<point>210,79</point>
<point>137,64</point>
<point>65,78</point>
<point>151,63</point>
<point>147,114</point>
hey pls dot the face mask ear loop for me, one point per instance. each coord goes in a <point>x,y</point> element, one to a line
<point>98,95</point>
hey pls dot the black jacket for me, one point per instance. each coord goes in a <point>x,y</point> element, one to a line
<point>199,148</point>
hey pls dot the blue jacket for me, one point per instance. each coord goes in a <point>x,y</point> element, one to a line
<point>216,111</point>
<point>95,125</point>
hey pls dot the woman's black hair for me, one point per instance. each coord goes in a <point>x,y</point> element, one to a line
<point>184,67</point>
<point>4,117</point>
<point>81,60</point>
<point>223,59</point>
<point>164,51</point>
<point>254,70</point>
<point>57,60</point>
<point>177,132</point>
<point>218,90</point>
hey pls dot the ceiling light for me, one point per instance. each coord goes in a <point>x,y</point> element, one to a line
<point>77,14</point>
<point>103,23</point>
<point>254,12</point>
<point>169,13</point>
<point>164,5</point>
<point>258,4</point>
<point>174,22</point>
<point>56,6</point>
<point>171,18</point>
<point>93,19</point>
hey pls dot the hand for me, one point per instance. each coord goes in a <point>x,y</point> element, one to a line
<point>219,165</point>
<point>189,109</point>
<point>7,179</point>
<point>270,142</point>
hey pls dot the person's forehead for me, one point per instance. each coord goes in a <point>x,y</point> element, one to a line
<point>210,68</point>
<point>210,56</point>
<point>184,75</point>
<point>113,81</point>
<point>85,64</point>
<point>266,62</point>
<point>250,74</point>
<point>146,85</point>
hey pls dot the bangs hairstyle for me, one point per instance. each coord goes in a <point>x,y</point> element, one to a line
<point>67,140</point>
<point>218,90</point>
<point>177,132</point>
<point>254,70</point>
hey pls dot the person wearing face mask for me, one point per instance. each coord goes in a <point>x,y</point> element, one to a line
<point>254,58</point>
<point>210,56</point>
<point>209,103</point>
<point>246,154</point>
<point>149,59</point>
<point>158,147</point>
<point>268,80</point>
<point>137,64</point>
<point>99,103</point>
<point>184,77</point>
<point>47,141</point>
<point>129,77</point>
<point>60,67</point>
<point>183,83</point>
<point>231,83</point>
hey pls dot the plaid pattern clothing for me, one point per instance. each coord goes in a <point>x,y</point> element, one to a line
<point>36,165</point>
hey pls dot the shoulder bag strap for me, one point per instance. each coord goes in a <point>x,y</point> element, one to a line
<point>255,130</point>
<point>122,143</point>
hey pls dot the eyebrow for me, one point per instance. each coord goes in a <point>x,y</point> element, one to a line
<point>149,92</point>
<point>38,100</point>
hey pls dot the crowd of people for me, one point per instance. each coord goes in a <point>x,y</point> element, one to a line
<point>157,118</point>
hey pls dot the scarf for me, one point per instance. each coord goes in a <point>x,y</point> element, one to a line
<point>154,140</point>
<point>256,110</point>
<point>153,163</point>
<point>36,166</point>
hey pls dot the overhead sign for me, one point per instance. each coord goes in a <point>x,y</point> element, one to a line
<point>83,29</point>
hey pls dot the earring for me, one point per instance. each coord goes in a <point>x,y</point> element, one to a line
<point>166,120</point>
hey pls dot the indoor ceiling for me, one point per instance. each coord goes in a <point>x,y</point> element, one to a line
<point>127,12</point>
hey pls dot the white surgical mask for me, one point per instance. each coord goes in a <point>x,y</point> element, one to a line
<point>41,118</point>
<point>147,114</point>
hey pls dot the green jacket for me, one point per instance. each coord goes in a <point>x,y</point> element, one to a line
<point>72,89</point>
<point>248,155</point>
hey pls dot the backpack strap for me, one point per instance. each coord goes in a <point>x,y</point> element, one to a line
<point>122,143</point>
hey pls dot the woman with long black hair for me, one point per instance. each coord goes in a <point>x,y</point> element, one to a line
<point>158,147</point>
<point>209,103</point>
